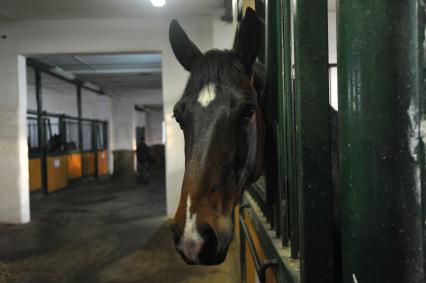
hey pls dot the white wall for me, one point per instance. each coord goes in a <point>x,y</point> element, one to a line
<point>332,37</point>
<point>332,58</point>
<point>146,96</point>
<point>58,97</point>
<point>14,178</point>
<point>140,119</point>
<point>85,36</point>
<point>223,32</point>
<point>154,127</point>
<point>123,116</point>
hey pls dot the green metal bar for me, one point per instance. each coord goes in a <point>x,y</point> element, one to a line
<point>242,239</point>
<point>271,96</point>
<point>260,267</point>
<point>313,141</point>
<point>379,121</point>
<point>80,128</point>
<point>95,134</point>
<point>290,134</point>
<point>41,129</point>
<point>106,136</point>
<point>274,66</point>
<point>281,123</point>
<point>275,179</point>
<point>288,269</point>
<point>62,132</point>
<point>65,116</point>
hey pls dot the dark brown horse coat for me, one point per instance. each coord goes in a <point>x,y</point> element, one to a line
<point>221,117</point>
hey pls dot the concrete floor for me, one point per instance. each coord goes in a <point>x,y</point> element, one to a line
<point>101,231</point>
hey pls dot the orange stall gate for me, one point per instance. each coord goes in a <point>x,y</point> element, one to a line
<point>102,162</point>
<point>88,164</point>
<point>74,166</point>
<point>57,173</point>
<point>34,166</point>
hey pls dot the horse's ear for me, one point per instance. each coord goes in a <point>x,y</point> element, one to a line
<point>248,39</point>
<point>185,51</point>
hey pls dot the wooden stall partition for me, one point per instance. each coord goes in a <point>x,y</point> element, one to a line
<point>251,274</point>
<point>57,173</point>
<point>88,164</point>
<point>102,162</point>
<point>74,167</point>
<point>34,167</point>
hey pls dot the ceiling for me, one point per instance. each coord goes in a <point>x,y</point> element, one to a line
<point>14,10</point>
<point>101,9</point>
<point>116,74</point>
<point>50,83</point>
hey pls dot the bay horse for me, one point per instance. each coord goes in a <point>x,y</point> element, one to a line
<point>221,117</point>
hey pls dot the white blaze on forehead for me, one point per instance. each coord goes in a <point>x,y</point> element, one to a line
<point>207,95</point>
<point>191,241</point>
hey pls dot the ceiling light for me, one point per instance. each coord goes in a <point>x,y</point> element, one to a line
<point>158,3</point>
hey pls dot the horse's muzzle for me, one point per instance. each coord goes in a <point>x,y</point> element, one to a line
<point>201,251</point>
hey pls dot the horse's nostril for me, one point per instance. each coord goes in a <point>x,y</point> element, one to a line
<point>209,249</point>
<point>209,235</point>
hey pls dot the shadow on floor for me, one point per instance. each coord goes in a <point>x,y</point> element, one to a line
<point>158,262</point>
<point>100,231</point>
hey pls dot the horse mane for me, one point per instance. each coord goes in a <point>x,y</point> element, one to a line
<point>215,66</point>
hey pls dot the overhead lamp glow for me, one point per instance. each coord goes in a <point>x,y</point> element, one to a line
<point>158,3</point>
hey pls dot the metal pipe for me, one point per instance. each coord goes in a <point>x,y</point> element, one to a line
<point>289,130</point>
<point>260,267</point>
<point>313,141</point>
<point>379,124</point>
<point>80,128</point>
<point>95,135</point>
<point>274,67</point>
<point>41,130</point>
<point>65,116</point>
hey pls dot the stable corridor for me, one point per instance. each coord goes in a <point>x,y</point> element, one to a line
<point>100,231</point>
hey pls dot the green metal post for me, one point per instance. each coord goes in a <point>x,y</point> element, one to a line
<point>379,122</point>
<point>289,133</point>
<point>80,128</point>
<point>63,131</point>
<point>313,141</point>
<point>41,129</point>
<point>274,65</point>
<point>282,119</point>
<point>271,103</point>
<point>276,177</point>
<point>95,135</point>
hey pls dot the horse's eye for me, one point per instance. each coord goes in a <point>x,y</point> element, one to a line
<point>248,113</point>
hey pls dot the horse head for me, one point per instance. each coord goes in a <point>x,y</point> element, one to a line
<point>220,115</point>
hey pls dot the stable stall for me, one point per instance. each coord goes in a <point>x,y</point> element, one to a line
<point>34,153</point>
<point>72,146</point>
<point>62,147</point>
<point>56,159</point>
<point>101,129</point>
